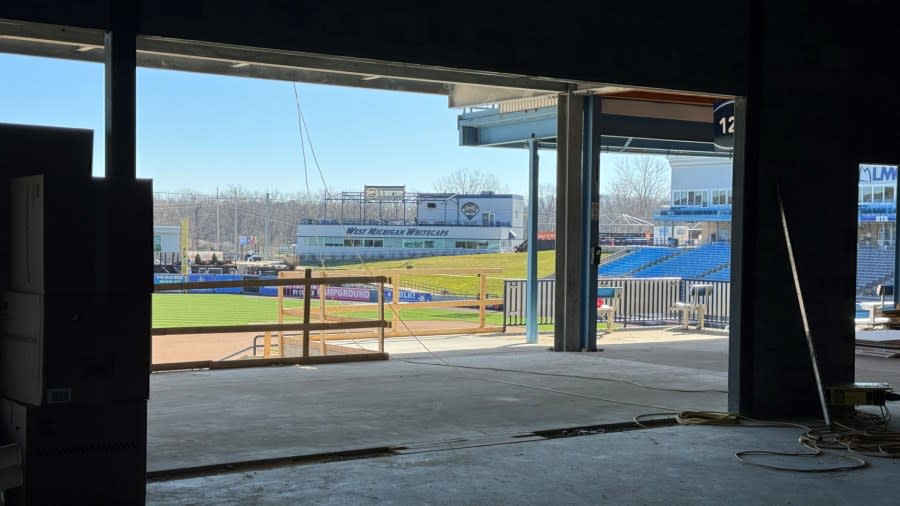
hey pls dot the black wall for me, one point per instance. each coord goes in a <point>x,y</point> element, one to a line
<point>819,103</point>
<point>649,43</point>
<point>821,94</point>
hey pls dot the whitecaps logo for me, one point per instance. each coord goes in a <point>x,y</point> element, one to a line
<point>469,210</point>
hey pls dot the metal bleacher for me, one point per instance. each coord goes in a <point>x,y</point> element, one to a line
<point>692,263</point>
<point>719,275</point>
<point>873,266</point>
<point>625,265</point>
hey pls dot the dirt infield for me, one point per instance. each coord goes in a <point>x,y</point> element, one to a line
<point>238,345</point>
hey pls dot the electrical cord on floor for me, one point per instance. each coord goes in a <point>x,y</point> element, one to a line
<point>817,441</point>
<point>857,433</point>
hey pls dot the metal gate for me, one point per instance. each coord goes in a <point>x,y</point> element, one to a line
<point>645,301</point>
<point>514,296</point>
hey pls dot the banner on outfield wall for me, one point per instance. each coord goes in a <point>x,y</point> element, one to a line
<point>352,294</point>
<point>358,294</point>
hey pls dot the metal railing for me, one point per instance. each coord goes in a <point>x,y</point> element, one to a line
<point>645,301</point>
<point>514,296</point>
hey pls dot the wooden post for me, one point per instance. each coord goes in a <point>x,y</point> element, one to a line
<point>381,317</point>
<point>267,345</point>
<point>482,296</point>
<point>307,288</point>
<point>280,317</point>
<point>395,303</point>
<point>322,297</point>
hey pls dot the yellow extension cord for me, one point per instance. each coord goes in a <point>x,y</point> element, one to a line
<point>870,440</point>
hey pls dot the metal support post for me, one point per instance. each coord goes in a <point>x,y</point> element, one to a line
<point>559,294</point>
<point>119,72</point>
<point>896,259</point>
<point>531,313</point>
<point>218,241</point>
<point>266,246</point>
<point>569,270</point>
<point>590,216</point>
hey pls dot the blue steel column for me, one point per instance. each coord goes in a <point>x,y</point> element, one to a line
<point>531,313</point>
<point>590,219</point>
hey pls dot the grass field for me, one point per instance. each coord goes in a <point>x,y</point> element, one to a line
<point>185,310</point>
<point>199,309</point>
<point>513,264</point>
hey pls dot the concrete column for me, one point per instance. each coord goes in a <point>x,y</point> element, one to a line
<point>120,75</point>
<point>569,254</point>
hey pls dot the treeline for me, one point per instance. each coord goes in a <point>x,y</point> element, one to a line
<point>216,222</point>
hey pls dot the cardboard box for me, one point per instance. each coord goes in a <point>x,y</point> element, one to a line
<point>74,349</point>
<point>71,235</point>
<point>78,454</point>
<point>28,150</point>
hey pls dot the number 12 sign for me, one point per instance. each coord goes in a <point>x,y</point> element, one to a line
<point>723,121</point>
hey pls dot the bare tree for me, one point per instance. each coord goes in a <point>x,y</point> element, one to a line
<point>642,185</point>
<point>547,207</point>
<point>467,181</point>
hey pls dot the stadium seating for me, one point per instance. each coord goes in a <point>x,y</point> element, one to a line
<point>639,259</point>
<point>692,263</point>
<point>873,266</point>
<point>720,275</point>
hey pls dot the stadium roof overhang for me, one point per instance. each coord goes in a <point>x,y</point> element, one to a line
<point>464,88</point>
<point>631,122</point>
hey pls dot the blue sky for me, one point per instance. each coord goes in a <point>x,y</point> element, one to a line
<point>203,131</point>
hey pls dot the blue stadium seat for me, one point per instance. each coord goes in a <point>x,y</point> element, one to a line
<point>693,263</point>
<point>635,260</point>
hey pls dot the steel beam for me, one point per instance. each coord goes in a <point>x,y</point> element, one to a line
<point>559,293</point>
<point>625,134</point>
<point>531,313</point>
<point>590,216</point>
<point>740,335</point>
<point>120,76</point>
<point>468,95</point>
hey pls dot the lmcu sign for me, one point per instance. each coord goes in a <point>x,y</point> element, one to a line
<point>877,173</point>
<point>405,232</point>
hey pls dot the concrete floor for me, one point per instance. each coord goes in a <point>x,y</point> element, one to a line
<point>463,428</point>
<point>672,466</point>
<point>211,417</point>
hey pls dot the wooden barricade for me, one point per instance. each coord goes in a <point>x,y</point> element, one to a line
<point>305,325</point>
<point>398,327</point>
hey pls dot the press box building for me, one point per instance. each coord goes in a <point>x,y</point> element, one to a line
<point>382,223</point>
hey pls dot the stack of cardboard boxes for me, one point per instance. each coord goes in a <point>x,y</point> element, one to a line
<point>74,338</point>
